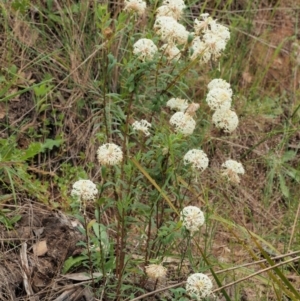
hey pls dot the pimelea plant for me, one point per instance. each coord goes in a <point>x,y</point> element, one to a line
<point>122,114</point>
<point>139,173</point>
<point>149,120</point>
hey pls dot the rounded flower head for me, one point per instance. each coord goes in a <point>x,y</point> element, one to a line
<point>218,83</point>
<point>138,6</point>
<point>84,190</point>
<point>203,25</point>
<point>200,51</point>
<point>231,169</point>
<point>109,154</point>
<point>226,120</point>
<point>216,39</point>
<point>214,36</point>
<point>219,99</point>
<point>192,218</point>
<point>156,271</point>
<point>183,123</point>
<point>177,104</point>
<point>197,158</point>
<point>214,45</point>
<point>171,52</point>
<point>171,8</point>
<point>221,31</point>
<point>142,126</point>
<point>198,286</point>
<point>170,31</point>
<point>145,49</point>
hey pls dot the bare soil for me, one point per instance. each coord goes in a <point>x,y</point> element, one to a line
<point>33,253</point>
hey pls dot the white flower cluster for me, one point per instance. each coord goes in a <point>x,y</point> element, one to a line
<point>171,8</point>
<point>109,154</point>
<point>170,31</point>
<point>183,123</point>
<point>199,51</point>
<point>177,104</point>
<point>226,120</point>
<point>232,169</point>
<point>171,51</point>
<point>197,158</point>
<point>198,286</point>
<point>192,218</point>
<point>84,190</point>
<point>138,6</point>
<point>156,271</point>
<point>142,126</point>
<point>219,83</point>
<point>201,26</point>
<point>166,26</point>
<point>145,49</point>
<point>219,98</point>
<point>211,39</point>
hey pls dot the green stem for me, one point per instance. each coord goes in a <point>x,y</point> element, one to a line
<point>88,248</point>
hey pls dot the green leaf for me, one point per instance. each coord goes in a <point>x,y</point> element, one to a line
<point>20,5</point>
<point>36,147</point>
<point>72,262</point>
<point>292,172</point>
<point>284,189</point>
<point>42,89</point>
<point>33,149</point>
<point>112,62</point>
<point>50,143</point>
<point>289,155</point>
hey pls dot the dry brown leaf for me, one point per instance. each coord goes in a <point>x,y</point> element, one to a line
<point>2,110</point>
<point>13,91</point>
<point>247,77</point>
<point>40,248</point>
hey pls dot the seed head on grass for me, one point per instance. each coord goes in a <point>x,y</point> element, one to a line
<point>192,218</point>
<point>232,169</point>
<point>156,271</point>
<point>84,190</point>
<point>197,158</point>
<point>198,286</point>
<point>145,49</point>
<point>137,6</point>
<point>109,154</point>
